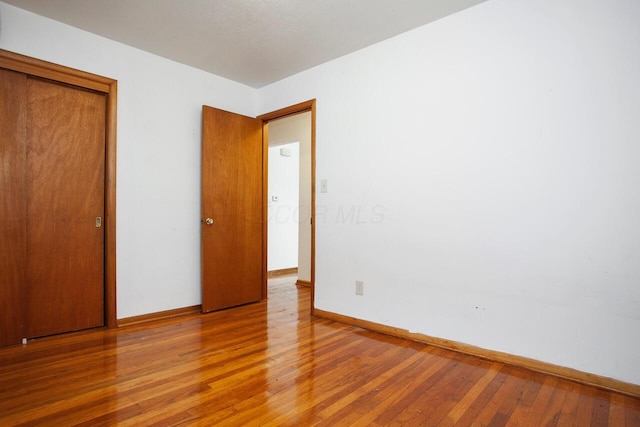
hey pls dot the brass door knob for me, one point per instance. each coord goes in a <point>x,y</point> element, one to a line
<point>208,221</point>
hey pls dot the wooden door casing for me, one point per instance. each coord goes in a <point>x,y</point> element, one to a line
<point>232,196</point>
<point>302,107</point>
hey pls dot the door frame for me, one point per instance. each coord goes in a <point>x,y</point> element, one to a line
<point>303,107</point>
<point>109,87</point>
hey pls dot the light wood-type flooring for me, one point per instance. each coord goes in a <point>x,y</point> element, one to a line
<point>270,363</point>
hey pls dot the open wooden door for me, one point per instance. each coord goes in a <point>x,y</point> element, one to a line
<point>232,210</point>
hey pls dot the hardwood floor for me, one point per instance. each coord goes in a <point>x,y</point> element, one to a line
<point>272,364</point>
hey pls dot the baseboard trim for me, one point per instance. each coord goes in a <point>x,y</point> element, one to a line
<point>283,272</point>
<point>510,359</point>
<point>160,315</point>
<point>303,283</point>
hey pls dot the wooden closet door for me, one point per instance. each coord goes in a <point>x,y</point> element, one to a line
<point>13,202</point>
<point>65,167</point>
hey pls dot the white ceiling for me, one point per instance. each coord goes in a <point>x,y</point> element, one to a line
<point>255,42</point>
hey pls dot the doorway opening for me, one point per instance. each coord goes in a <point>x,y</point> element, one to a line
<point>289,198</point>
<point>289,165</point>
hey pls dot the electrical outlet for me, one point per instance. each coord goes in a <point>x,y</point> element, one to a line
<point>359,287</point>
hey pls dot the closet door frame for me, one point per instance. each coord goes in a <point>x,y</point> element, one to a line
<point>47,70</point>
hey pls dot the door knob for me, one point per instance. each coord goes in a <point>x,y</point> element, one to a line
<point>208,221</point>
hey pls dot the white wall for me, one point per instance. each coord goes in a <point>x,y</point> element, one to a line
<point>158,161</point>
<point>483,180</point>
<point>283,211</point>
<point>303,130</point>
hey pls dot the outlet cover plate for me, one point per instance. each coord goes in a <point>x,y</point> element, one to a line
<point>359,287</point>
